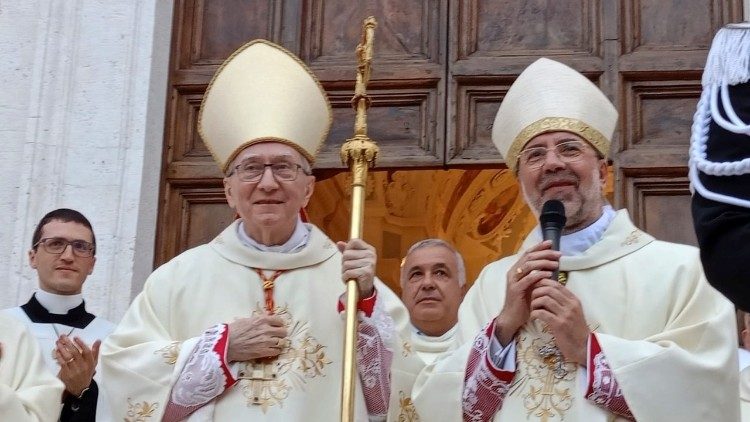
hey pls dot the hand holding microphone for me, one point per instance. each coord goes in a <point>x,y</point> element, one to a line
<point>538,263</point>
<point>553,303</point>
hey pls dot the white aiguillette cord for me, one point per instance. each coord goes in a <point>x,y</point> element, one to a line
<point>728,63</point>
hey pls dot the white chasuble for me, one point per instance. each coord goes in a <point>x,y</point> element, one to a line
<point>28,391</point>
<point>669,338</point>
<point>217,283</point>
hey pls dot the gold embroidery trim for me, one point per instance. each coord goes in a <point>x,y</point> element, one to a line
<point>554,124</point>
<point>140,411</point>
<point>169,352</point>
<point>633,237</point>
<point>406,349</point>
<point>407,411</point>
<point>545,373</point>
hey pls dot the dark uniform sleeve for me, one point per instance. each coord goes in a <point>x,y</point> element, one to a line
<point>83,409</point>
<point>723,230</point>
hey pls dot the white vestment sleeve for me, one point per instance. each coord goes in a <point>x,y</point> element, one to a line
<point>138,358</point>
<point>28,391</point>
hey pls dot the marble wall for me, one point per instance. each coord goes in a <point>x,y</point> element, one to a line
<point>81,123</point>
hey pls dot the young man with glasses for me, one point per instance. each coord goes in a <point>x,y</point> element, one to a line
<point>63,250</point>
<point>629,330</point>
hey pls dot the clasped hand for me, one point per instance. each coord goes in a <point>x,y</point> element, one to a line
<point>256,337</point>
<point>358,263</point>
<point>531,294</point>
<point>77,363</point>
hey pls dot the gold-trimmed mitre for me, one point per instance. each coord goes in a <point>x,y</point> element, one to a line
<point>549,96</point>
<point>262,93</point>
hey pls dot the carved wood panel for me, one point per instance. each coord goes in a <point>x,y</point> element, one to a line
<point>199,214</point>
<point>662,54</point>
<point>491,43</point>
<point>660,204</point>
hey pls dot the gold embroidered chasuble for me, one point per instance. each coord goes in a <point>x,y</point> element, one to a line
<point>28,391</point>
<point>668,336</point>
<point>215,283</point>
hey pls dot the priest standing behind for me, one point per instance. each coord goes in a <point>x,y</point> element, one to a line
<point>63,253</point>
<point>630,330</point>
<point>433,283</point>
<point>247,327</point>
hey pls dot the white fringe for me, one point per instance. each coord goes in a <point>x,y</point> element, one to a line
<point>728,60</point>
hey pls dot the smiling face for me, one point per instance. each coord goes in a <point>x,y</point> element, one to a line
<point>431,290</point>
<point>579,185</point>
<point>269,207</point>
<point>63,273</point>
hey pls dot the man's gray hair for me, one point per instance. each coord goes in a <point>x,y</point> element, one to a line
<point>428,243</point>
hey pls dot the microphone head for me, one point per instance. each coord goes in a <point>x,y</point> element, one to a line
<point>553,213</point>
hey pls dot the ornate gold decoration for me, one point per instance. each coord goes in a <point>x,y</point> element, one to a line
<point>633,237</point>
<point>268,382</point>
<point>562,277</point>
<point>407,411</point>
<point>406,349</point>
<point>140,411</point>
<point>169,352</point>
<point>554,124</point>
<point>359,154</point>
<point>543,376</point>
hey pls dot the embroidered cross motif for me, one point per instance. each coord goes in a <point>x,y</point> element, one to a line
<point>259,373</point>
<point>268,383</point>
<point>547,376</point>
<point>633,237</point>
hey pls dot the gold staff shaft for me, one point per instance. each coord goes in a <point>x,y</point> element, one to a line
<point>359,154</point>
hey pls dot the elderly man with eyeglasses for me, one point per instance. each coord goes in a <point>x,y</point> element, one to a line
<point>63,249</point>
<point>248,326</point>
<point>630,328</point>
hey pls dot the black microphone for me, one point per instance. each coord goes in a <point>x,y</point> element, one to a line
<point>552,221</point>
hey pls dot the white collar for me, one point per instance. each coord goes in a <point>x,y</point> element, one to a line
<point>576,243</point>
<point>58,304</point>
<point>447,335</point>
<point>296,241</point>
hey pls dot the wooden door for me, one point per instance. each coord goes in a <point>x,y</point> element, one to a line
<point>441,68</point>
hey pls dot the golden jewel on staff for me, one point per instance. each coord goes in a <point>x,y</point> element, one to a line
<point>358,153</point>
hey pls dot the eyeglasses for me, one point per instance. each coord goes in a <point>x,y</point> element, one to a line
<point>57,245</point>
<point>567,152</point>
<point>252,171</point>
